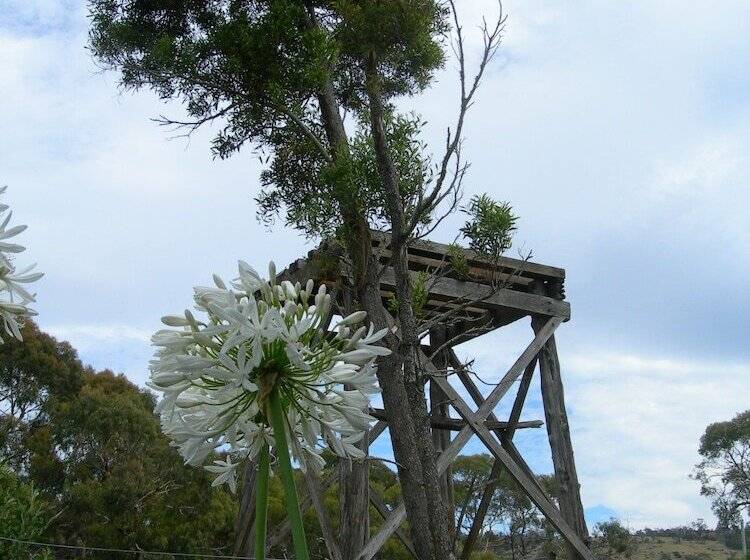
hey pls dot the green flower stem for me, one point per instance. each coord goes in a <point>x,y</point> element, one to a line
<point>287,477</point>
<point>261,503</point>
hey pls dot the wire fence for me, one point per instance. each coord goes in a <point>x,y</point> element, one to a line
<point>42,550</point>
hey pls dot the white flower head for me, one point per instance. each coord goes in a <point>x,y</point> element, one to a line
<point>216,369</point>
<point>14,296</point>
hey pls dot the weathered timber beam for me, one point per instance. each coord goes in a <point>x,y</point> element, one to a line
<point>484,296</point>
<point>476,396</point>
<point>506,264</point>
<point>457,424</point>
<point>488,273</point>
<point>505,436</point>
<point>523,390</point>
<point>559,436</point>
<point>462,438</point>
<point>385,511</point>
<point>516,472</point>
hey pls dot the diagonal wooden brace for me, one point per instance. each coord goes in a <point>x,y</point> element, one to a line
<point>459,442</point>
<point>476,422</point>
<point>316,495</point>
<point>377,501</point>
<point>476,396</point>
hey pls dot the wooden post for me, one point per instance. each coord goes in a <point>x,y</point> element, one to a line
<point>354,485</point>
<point>744,536</point>
<point>243,543</point>
<point>354,496</point>
<point>439,407</point>
<point>558,431</point>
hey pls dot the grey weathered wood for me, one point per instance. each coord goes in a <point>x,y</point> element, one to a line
<point>243,541</point>
<point>497,466</point>
<point>504,264</point>
<point>315,492</point>
<point>439,407</point>
<point>479,274</point>
<point>532,289</point>
<point>476,396</point>
<point>457,424</point>
<point>558,431</point>
<point>523,390</point>
<point>484,296</point>
<point>518,474</point>
<point>354,498</point>
<point>385,511</point>
<point>379,427</point>
<point>463,437</point>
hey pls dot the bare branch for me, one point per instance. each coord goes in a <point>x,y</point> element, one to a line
<point>491,38</point>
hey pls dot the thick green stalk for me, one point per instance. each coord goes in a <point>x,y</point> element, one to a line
<point>261,503</point>
<point>287,477</point>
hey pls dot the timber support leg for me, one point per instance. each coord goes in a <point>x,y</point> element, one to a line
<point>439,407</point>
<point>354,484</point>
<point>558,431</point>
<point>243,543</point>
<point>354,498</point>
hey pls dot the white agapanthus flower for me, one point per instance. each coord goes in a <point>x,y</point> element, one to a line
<point>14,297</point>
<point>216,372</point>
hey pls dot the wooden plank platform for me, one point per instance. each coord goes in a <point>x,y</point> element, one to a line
<point>495,292</point>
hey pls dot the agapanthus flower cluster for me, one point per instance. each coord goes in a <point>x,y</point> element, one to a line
<point>14,297</point>
<point>218,368</point>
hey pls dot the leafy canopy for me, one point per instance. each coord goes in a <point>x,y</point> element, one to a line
<point>724,471</point>
<point>34,374</point>
<point>23,516</point>
<point>260,67</point>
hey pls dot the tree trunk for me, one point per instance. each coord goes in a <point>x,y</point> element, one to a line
<point>390,368</point>
<point>401,384</point>
<point>484,506</point>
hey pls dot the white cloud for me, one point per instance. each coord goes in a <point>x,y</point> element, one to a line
<point>86,337</point>
<point>637,422</point>
<point>608,126</point>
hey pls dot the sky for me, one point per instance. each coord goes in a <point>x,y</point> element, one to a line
<point>619,132</point>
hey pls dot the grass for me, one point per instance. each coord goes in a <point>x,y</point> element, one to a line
<point>670,548</point>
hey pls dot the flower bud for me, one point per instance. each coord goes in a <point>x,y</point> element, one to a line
<point>174,321</point>
<point>354,318</point>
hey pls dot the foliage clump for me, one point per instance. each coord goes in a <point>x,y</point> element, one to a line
<point>90,444</point>
<point>724,471</point>
<point>490,225</point>
<point>23,516</point>
<point>616,537</point>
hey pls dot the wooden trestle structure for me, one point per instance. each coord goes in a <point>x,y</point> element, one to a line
<point>491,295</point>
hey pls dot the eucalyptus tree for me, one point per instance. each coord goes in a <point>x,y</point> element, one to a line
<point>724,470</point>
<point>312,85</point>
<point>34,375</point>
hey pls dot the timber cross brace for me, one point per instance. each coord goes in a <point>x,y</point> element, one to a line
<point>459,303</point>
